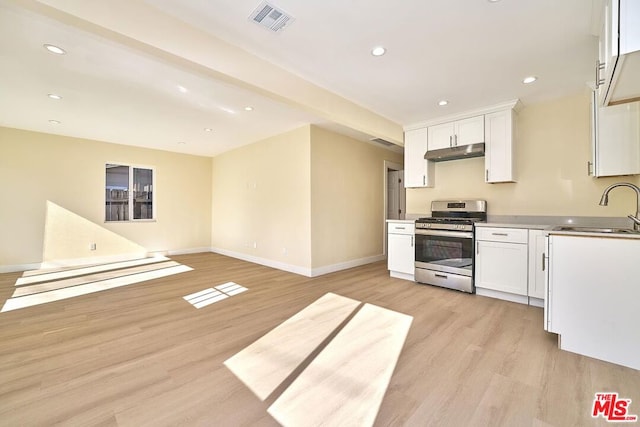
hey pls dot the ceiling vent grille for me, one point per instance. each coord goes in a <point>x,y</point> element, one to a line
<point>382,142</point>
<point>271,17</point>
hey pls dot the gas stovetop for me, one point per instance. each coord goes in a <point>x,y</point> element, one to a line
<point>457,224</point>
<point>454,215</point>
<point>448,220</point>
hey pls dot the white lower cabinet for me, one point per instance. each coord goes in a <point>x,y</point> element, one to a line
<point>401,250</point>
<point>593,296</point>
<point>509,264</point>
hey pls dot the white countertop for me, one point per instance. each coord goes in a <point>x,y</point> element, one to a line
<point>513,225</point>
<point>402,221</point>
<point>600,235</point>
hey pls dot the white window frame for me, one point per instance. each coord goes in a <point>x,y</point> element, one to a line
<point>130,192</point>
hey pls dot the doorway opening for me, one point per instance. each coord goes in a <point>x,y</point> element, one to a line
<point>395,200</point>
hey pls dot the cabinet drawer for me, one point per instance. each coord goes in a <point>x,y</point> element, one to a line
<point>401,228</point>
<point>509,235</point>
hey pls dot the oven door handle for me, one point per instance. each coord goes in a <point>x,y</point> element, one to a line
<point>442,233</point>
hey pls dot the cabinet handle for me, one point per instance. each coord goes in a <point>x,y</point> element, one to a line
<point>599,66</point>
<point>589,168</point>
<point>500,234</point>
<point>400,228</point>
<point>543,263</point>
<point>486,175</point>
<point>450,140</point>
<point>442,276</point>
<point>477,248</point>
<point>411,241</point>
<point>455,140</point>
<point>424,180</point>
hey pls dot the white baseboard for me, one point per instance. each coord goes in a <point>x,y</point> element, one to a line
<point>92,260</point>
<point>303,271</point>
<point>189,251</point>
<point>19,267</point>
<point>536,302</point>
<point>319,271</point>
<point>521,299</point>
<point>405,276</point>
<point>264,261</point>
<point>96,260</point>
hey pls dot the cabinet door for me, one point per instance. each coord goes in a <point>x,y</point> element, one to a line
<point>469,131</point>
<point>499,153</point>
<point>537,263</point>
<point>502,267</point>
<point>440,136</point>
<point>401,253</point>
<point>616,139</point>
<point>594,294</point>
<point>608,49</point>
<point>418,172</point>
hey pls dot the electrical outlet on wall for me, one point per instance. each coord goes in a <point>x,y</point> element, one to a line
<point>92,246</point>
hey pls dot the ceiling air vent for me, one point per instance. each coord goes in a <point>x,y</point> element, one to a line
<point>271,17</point>
<point>382,142</point>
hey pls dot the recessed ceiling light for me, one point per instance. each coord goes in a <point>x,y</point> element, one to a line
<point>443,102</point>
<point>54,49</point>
<point>208,130</point>
<point>378,51</point>
<point>529,79</point>
<point>54,96</point>
<point>248,108</point>
<point>54,122</point>
<point>181,142</point>
<point>494,1</point>
<point>182,89</point>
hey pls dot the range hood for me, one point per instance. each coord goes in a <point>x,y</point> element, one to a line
<point>454,153</point>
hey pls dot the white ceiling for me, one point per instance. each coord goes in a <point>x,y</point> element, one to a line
<point>473,53</point>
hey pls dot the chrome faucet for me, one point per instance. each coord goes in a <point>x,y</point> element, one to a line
<point>604,201</point>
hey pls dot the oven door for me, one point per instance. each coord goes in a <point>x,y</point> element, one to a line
<point>446,251</point>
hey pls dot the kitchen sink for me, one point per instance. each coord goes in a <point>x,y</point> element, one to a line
<point>597,230</point>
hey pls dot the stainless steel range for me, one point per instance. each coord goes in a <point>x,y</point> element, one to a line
<point>444,243</point>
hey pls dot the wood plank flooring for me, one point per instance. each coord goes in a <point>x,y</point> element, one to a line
<point>141,355</point>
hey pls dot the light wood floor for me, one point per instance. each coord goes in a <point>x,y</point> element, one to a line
<point>141,355</point>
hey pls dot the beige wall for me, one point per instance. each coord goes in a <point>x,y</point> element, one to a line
<point>347,198</point>
<point>36,167</point>
<point>553,147</point>
<point>308,198</point>
<point>261,194</point>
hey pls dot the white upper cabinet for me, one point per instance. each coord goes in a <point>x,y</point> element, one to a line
<point>499,142</point>
<point>615,140</point>
<point>440,136</point>
<point>418,172</point>
<point>618,65</point>
<point>460,132</point>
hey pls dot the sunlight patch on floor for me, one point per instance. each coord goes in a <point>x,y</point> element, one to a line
<point>211,295</point>
<point>35,289</point>
<point>344,384</point>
